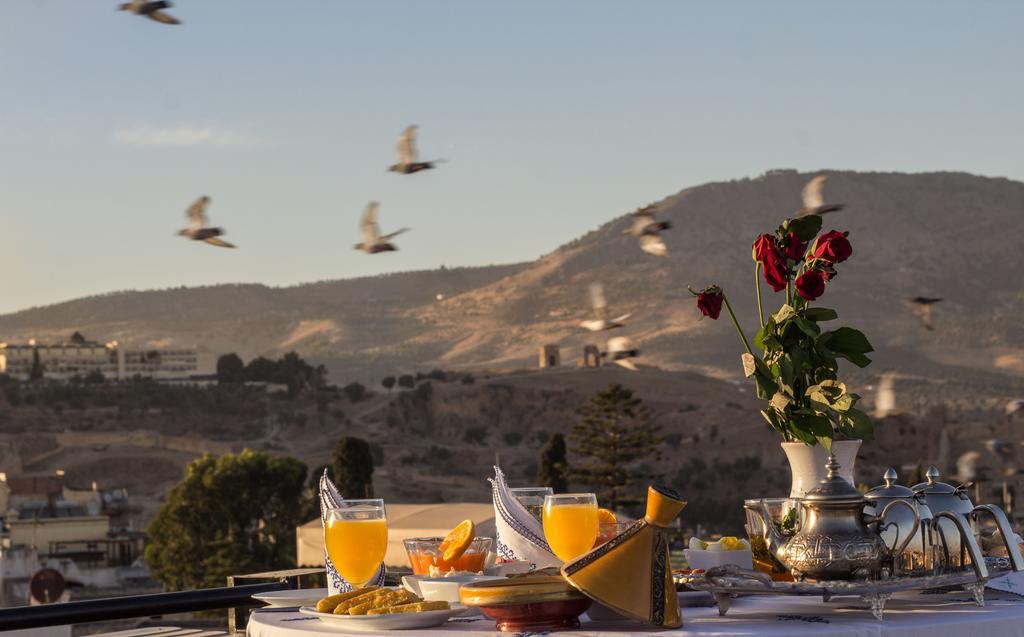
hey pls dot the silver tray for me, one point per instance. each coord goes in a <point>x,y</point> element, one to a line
<point>725,583</point>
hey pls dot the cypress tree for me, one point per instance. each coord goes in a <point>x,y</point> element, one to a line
<point>554,467</point>
<point>352,465</point>
<point>613,434</point>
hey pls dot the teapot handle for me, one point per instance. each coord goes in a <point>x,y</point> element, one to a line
<point>910,536</point>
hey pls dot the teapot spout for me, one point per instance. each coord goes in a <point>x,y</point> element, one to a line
<point>772,537</point>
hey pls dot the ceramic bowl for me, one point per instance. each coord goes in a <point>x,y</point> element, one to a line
<point>537,617</point>
<point>533,603</point>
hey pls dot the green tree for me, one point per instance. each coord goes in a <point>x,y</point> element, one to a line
<point>36,373</point>
<point>612,435</point>
<point>554,467</point>
<point>230,369</point>
<point>354,391</point>
<point>388,382</point>
<point>407,381</point>
<point>261,370</point>
<point>230,514</point>
<point>352,465</point>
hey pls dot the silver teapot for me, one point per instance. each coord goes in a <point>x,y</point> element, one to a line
<point>917,554</point>
<point>943,497</point>
<point>954,546</point>
<point>834,540</point>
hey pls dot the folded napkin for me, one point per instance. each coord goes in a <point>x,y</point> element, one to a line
<point>1009,583</point>
<point>330,498</point>
<point>519,535</point>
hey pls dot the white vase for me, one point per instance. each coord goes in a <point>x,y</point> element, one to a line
<point>807,464</point>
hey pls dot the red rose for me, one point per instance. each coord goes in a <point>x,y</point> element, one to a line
<point>811,284</point>
<point>833,246</point>
<point>709,302</point>
<point>794,248</point>
<point>767,252</point>
<point>763,246</point>
<point>775,271</point>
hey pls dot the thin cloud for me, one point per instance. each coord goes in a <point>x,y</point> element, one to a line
<point>185,136</point>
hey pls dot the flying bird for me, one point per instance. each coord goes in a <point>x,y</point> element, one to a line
<point>620,350</point>
<point>921,306</point>
<point>602,322</point>
<point>152,9</point>
<point>1014,407</point>
<point>648,230</point>
<point>814,202</point>
<point>407,156</point>
<point>373,241</point>
<point>199,226</point>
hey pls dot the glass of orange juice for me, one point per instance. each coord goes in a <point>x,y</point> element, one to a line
<point>356,537</point>
<point>570,523</point>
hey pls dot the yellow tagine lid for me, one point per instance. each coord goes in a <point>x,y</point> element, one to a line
<point>518,590</point>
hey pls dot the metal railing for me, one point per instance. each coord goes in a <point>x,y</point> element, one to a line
<point>94,610</point>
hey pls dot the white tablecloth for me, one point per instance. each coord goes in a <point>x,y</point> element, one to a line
<point>906,615</point>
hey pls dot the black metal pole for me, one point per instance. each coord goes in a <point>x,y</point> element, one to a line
<point>95,610</point>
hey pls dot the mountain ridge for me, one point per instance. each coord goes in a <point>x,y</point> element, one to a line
<point>935,233</point>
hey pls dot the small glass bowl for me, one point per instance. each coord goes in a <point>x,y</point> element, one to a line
<point>425,552</point>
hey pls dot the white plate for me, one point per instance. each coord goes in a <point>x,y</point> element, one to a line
<point>301,597</point>
<point>446,589</point>
<point>378,623</point>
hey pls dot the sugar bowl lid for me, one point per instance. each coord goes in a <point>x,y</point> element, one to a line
<point>933,486</point>
<point>890,489</point>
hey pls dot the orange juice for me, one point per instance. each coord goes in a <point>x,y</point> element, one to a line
<point>570,529</point>
<point>356,547</point>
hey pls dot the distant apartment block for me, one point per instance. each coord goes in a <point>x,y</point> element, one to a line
<point>81,357</point>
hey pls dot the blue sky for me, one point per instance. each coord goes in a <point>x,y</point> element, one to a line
<point>556,115</point>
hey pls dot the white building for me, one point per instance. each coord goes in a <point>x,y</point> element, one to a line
<point>81,357</point>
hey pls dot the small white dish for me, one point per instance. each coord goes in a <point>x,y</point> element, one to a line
<point>710,559</point>
<point>411,583</point>
<point>286,599</point>
<point>446,589</point>
<point>381,623</point>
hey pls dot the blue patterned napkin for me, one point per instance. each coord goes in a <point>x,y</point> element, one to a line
<point>519,535</point>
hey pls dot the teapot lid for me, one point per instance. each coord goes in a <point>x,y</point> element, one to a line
<point>834,489</point>
<point>933,486</point>
<point>890,489</point>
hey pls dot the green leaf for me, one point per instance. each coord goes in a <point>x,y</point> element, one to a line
<point>749,364</point>
<point>849,343</point>
<point>816,424</point>
<point>805,227</point>
<point>857,424</point>
<point>766,387</point>
<point>809,328</point>
<point>818,314</point>
<point>784,313</point>
<point>780,401</point>
<point>843,403</point>
<point>826,442</point>
<point>786,370</point>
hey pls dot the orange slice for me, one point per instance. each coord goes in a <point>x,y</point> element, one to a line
<point>604,516</point>
<point>457,541</point>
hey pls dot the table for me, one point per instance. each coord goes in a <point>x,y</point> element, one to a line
<point>165,631</point>
<point>906,615</point>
